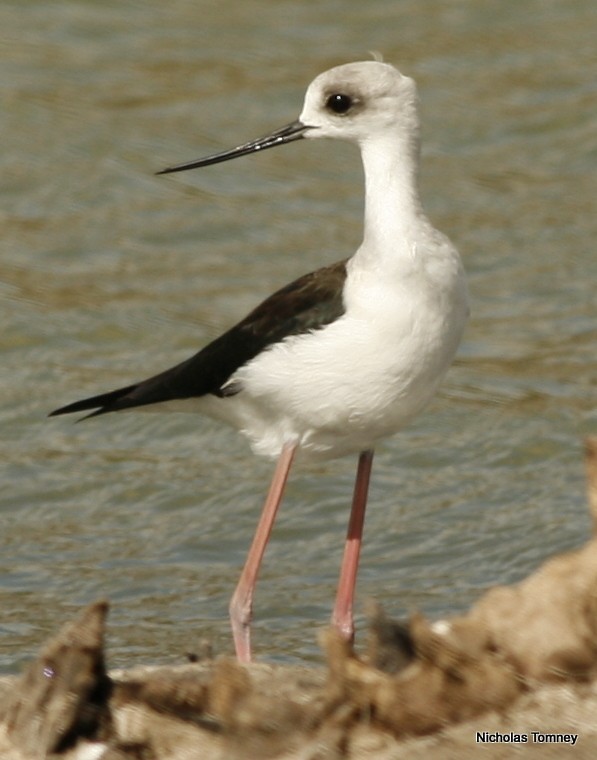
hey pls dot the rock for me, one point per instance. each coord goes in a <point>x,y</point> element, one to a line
<point>522,664</point>
<point>61,696</point>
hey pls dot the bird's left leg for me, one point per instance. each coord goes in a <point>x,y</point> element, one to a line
<point>241,604</point>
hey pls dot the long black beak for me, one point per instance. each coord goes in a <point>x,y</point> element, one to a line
<point>286,134</point>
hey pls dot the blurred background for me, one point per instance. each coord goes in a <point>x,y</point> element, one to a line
<point>109,273</point>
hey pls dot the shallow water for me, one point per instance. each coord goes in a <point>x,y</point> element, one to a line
<point>109,273</point>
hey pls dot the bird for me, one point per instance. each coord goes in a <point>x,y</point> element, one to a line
<point>343,356</point>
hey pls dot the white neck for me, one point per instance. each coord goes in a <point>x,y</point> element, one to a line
<point>393,212</point>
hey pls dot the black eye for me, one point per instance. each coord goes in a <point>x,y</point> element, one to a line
<point>339,103</point>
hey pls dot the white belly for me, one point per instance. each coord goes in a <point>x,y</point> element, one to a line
<point>340,389</point>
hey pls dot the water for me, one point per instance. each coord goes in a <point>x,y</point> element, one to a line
<point>108,273</point>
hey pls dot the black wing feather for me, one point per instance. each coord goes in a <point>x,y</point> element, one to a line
<point>308,303</point>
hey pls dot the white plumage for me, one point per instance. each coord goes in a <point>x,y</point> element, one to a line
<point>343,356</point>
<point>339,389</point>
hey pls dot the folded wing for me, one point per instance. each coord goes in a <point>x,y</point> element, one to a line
<point>307,304</point>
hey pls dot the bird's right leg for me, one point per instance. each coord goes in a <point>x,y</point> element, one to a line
<point>342,617</point>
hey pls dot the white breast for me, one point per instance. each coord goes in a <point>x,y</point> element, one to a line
<point>341,388</point>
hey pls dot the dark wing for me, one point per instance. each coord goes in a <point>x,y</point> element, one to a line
<point>308,303</point>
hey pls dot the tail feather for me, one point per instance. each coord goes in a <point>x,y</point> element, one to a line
<point>105,402</point>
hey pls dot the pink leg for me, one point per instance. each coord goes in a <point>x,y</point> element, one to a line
<point>342,617</point>
<point>241,604</point>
